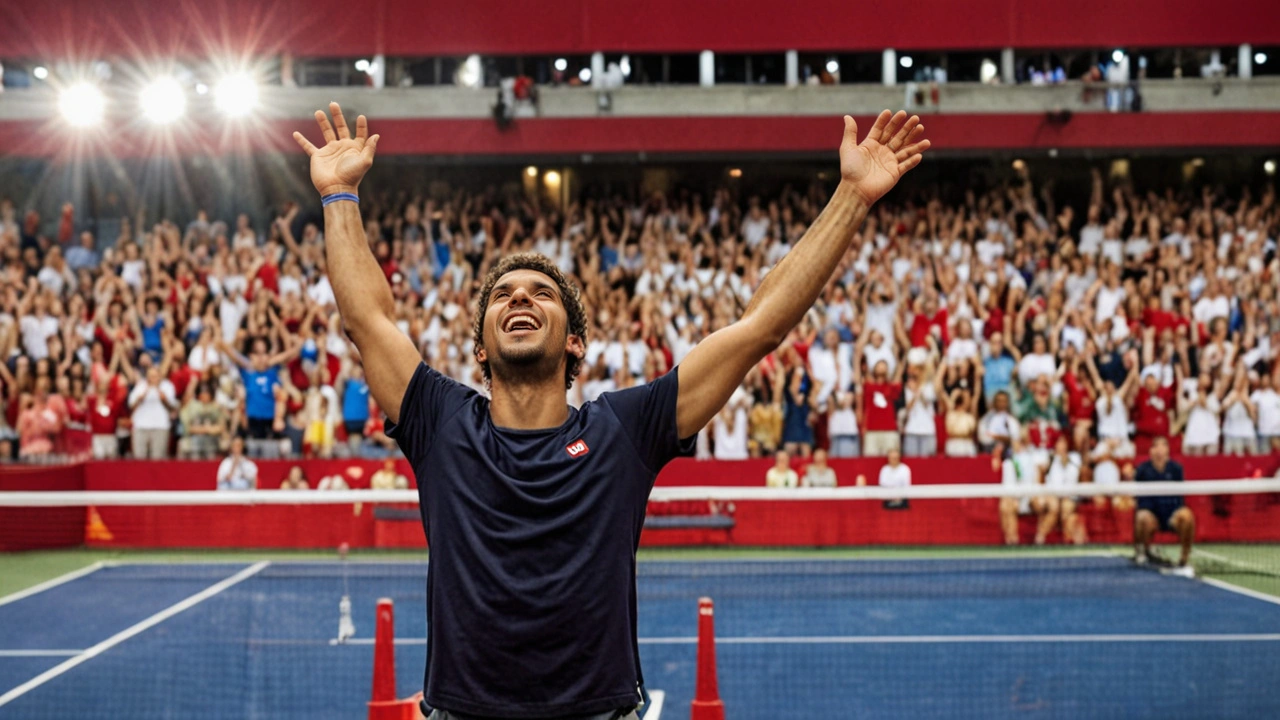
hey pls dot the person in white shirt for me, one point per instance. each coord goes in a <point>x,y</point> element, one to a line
<point>819,473</point>
<point>1063,471</point>
<point>1267,402</point>
<point>1022,466</point>
<point>237,472</point>
<point>920,396</point>
<point>781,475</point>
<point>1202,405</point>
<point>824,365</point>
<point>1239,419</point>
<point>729,428</point>
<point>842,426</point>
<point>895,475</point>
<point>998,426</point>
<point>151,402</point>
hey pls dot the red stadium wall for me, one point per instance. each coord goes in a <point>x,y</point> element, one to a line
<point>677,135</point>
<point>97,28</point>
<point>757,523</point>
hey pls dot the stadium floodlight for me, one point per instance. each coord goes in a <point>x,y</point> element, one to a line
<point>625,65</point>
<point>1260,58</point>
<point>906,61</point>
<point>585,75</point>
<point>236,95</point>
<point>1117,55</point>
<point>82,105</point>
<point>362,65</point>
<point>163,101</point>
<point>202,89</point>
<point>1269,167</point>
<point>42,73</point>
<point>531,171</point>
<point>561,64</point>
<point>833,67</point>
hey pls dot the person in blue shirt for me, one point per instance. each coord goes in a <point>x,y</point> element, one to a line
<point>532,508</point>
<point>261,375</point>
<point>1167,513</point>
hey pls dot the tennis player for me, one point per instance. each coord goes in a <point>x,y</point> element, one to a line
<point>1167,513</point>
<point>533,509</point>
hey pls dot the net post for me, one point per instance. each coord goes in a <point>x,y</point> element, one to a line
<point>706,700</point>
<point>384,657</point>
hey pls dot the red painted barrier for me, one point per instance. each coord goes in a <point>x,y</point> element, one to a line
<point>756,523</point>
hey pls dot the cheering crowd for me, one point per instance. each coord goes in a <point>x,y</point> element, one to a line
<point>953,327</point>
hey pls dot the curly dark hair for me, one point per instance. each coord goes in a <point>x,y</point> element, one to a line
<point>570,297</point>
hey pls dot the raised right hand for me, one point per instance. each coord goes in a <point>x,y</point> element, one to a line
<point>340,165</point>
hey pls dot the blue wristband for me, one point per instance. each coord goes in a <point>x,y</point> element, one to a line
<point>339,196</point>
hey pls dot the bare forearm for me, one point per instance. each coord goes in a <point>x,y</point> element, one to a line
<point>358,283</point>
<point>791,288</point>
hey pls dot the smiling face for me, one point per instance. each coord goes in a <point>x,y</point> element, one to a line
<point>526,328</point>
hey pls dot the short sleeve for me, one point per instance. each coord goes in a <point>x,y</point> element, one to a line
<point>430,400</point>
<point>648,416</point>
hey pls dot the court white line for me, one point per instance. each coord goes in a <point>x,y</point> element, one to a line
<point>39,653</point>
<point>1224,585</point>
<point>54,582</point>
<point>656,699</point>
<point>127,633</point>
<point>922,639</point>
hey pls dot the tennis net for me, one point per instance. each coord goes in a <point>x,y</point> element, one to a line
<point>899,602</point>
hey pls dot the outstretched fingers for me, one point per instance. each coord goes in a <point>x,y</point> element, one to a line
<point>323,121</point>
<point>909,163</point>
<point>339,122</point>
<point>362,128</point>
<point>370,147</point>
<point>882,122</point>
<point>899,138</point>
<point>304,143</point>
<point>895,124</point>
<point>914,144</point>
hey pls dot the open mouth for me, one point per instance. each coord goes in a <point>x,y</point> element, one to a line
<point>520,324</point>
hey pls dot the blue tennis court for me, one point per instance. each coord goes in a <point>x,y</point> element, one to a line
<point>999,637</point>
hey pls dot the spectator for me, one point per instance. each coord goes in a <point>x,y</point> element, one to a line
<point>296,479</point>
<point>819,473</point>
<point>920,431</point>
<point>998,426</point>
<point>1240,415</point>
<point>1062,471</point>
<point>150,403</point>
<point>388,478</point>
<point>781,475</point>
<point>204,423</point>
<point>730,428</point>
<point>895,474</point>
<point>1267,401</point>
<point>261,375</point>
<point>1021,468</point>
<point>842,426</point>
<point>880,398</point>
<point>237,472</point>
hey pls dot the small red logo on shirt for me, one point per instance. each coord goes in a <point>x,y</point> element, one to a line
<point>577,448</point>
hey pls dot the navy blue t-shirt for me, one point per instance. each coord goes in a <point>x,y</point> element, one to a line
<point>1147,472</point>
<point>531,595</point>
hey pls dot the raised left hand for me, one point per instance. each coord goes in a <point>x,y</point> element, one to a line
<point>893,146</point>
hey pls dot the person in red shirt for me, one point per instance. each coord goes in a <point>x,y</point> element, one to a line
<point>1152,411</point>
<point>880,408</point>
<point>1081,398</point>
<point>105,407</point>
<point>930,319</point>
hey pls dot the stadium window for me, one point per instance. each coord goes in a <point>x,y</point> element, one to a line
<point>681,69</point>
<point>639,69</point>
<point>731,69</point>
<point>1266,60</point>
<point>860,67</point>
<point>767,69</point>
<point>966,66</point>
<point>920,66</point>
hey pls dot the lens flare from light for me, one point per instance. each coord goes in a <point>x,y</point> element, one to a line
<point>82,105</point>
<point>236,95</point>
<point>163,101</point>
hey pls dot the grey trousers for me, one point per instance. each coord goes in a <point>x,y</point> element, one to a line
<point>438,714</point>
